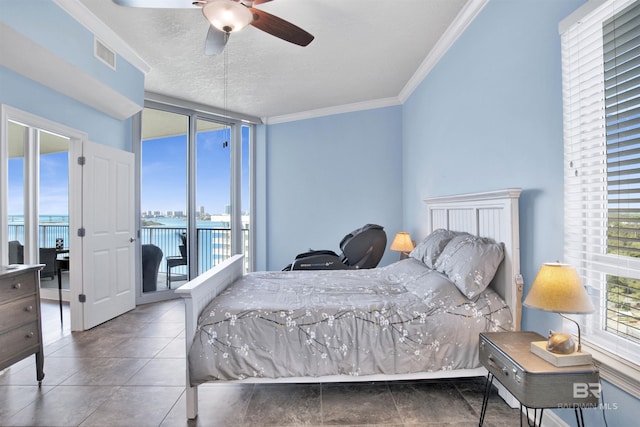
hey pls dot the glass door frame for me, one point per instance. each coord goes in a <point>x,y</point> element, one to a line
<point>235,144</point>
<point>76,141</point>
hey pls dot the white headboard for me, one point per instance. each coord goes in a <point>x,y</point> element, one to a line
<point>491,214</point>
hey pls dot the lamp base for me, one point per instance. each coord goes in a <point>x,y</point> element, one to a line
<point>539,348</point>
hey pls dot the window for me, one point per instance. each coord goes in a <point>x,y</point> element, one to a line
<point>601,97</point>
<point>194,191</point>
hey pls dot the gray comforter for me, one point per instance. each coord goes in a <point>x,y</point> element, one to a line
<point>398,319</point>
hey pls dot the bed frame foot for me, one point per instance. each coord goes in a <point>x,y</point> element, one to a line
<point>192,402</point>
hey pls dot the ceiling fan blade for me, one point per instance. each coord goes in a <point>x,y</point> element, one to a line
<point>256,2</point>
<point>215,42</point>
<point>280,28</point>
<point>158,4</point>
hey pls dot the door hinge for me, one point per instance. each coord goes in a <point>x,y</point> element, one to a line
<point>82,160</point>
<point>82,298</point>
<point>81,232</point>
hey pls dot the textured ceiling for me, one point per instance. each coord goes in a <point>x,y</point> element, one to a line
<point>364,50</point>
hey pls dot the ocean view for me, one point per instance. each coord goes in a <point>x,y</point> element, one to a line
<point>159,222</point>
<point>213,238</point>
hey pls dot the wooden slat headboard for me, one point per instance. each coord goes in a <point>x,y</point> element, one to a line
<point>491,214</point>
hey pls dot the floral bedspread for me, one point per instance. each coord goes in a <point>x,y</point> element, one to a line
<point>398,319</point>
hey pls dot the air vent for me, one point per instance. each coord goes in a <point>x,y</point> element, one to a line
<point>104,53</point>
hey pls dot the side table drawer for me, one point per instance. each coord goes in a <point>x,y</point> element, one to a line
<point>552,388</point>
<point>17,286</point>
<point>19,340</point>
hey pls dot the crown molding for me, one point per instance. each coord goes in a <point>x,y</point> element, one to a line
<point>338,109</point>
<point>100,30</point>
<point>457,27</point>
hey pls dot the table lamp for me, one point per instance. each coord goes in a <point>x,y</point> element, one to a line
<point>402,243</point>
<point>558,288</point>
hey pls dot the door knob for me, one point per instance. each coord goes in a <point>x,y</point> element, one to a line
<point>131,239</point>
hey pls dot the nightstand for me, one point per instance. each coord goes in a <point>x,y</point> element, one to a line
<point>534,382</point>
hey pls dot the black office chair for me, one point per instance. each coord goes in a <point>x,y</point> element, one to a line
<point>16,252</point>
<point>48,258</point>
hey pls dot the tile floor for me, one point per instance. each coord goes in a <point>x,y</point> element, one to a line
<point>130,372</point>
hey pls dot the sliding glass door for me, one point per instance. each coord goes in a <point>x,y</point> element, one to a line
<point>38,202</point>
<point>187,187</point>
<point>213,193</point>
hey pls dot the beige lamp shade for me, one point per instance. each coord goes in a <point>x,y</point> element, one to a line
<point>402,242</point>
<point>558,288</point>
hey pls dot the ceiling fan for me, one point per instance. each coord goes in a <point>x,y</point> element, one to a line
<point>228,16</point>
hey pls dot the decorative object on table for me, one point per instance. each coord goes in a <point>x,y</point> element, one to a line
<point>403,244</point>
<point>59,243</point>
<point>558,288</point>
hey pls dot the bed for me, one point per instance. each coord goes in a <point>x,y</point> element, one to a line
<point>330,326</point>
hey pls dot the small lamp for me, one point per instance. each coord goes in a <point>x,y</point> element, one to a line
<point>558,288</point>
<point>403,244</point>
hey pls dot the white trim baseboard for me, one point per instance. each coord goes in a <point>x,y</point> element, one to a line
<point>551,419</point>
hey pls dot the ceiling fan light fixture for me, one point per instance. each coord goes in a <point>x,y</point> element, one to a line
<point>227,15</point>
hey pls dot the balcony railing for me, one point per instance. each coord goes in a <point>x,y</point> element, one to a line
<point>214,244</point>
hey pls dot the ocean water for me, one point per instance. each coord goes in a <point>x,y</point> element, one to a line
<point>44,219</point>
<point>54,219</point>
<point>182,223</point>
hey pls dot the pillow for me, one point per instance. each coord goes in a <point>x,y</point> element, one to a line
<point>470,262</point>
<point>431,247</point>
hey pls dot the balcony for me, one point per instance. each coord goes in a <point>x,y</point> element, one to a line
<point>214,244</point>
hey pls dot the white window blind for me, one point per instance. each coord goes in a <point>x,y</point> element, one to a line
<point>601,97</point>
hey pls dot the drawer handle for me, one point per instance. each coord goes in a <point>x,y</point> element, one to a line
<point>494,365</point>
<point>28,308</point>
<point>30,335</point>
<point>17,285</point>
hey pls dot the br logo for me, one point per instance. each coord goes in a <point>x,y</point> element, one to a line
<point>584,390</point>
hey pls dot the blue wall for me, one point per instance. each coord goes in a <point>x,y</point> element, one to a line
<point>74,45</point>
<point>328,176</point>
<point>489,116</point>
<point>27,95</point>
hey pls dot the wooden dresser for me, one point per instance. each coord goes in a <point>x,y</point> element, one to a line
<point>20,321</point>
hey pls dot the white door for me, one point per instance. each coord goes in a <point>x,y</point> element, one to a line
<point>108,247</point>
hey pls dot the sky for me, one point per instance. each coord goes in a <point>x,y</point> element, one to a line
<point>54,184</point>
<point>164,176</point>
<point>164,180</point>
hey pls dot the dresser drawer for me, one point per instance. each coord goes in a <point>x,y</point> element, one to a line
<point>17,286</point>
<point>19,312</point>
<point>19,340</point>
